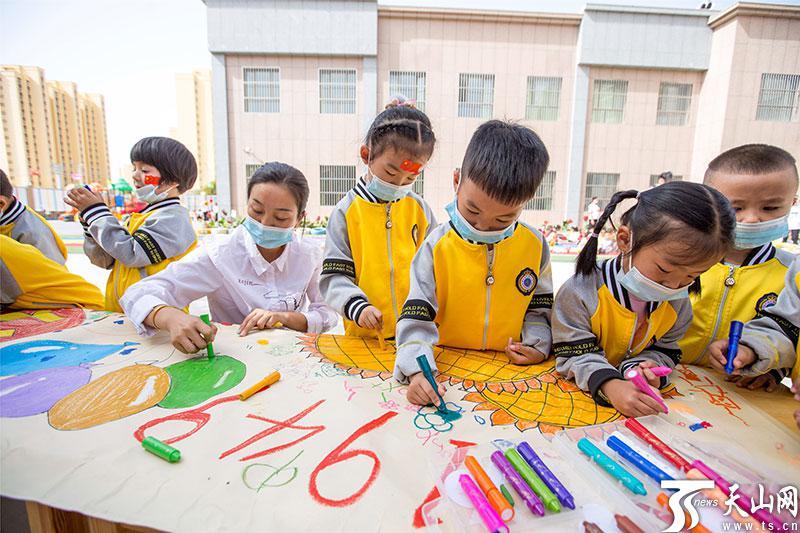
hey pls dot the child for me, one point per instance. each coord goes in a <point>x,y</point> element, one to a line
<point>25,225</point>
<point>29,280</point>
<point>151,239</point>
<point>759,181</point>
<point>770,341</point>
<point>375,230</point>
<point>259,276</point>
<point>630,311</point>
<point>483,281</point>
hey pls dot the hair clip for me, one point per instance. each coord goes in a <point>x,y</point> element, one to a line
<point>152,180</point>
<point>594,236</point>
<point>410,166</point>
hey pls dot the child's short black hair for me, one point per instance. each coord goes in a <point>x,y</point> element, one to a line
<point>174,161</point>
<point>285,175</point>
<point>403,127</point>
<point>751,159</point>
<point>6,189</point>
<point>697,216</point>
<point>506,160</point>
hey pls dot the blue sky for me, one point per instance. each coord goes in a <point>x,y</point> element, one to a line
<point>130,50</point>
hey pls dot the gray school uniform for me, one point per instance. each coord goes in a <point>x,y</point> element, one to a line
<point>29,229</point>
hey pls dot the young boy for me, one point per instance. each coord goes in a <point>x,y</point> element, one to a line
<point>483,281</point>
<point>760,181</point>
<point>151,239</point>
<point>769,342</point>
<point>29,280</point>
<point>25,225</point>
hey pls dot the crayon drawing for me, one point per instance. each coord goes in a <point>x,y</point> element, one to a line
<point>18,324</point>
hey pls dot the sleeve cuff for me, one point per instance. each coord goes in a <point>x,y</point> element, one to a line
<point>314,323</point>
<point>138,310</point>
<point>597,379</point>
<point>354,307</point>
<point>95,212</point>
<point>405,363</point>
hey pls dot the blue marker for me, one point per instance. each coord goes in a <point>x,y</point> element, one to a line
<point>630,455</point>
<point>611,466</point>
<point>733,344</point>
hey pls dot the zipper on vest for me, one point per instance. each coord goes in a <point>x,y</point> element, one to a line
<point>489,283</point>
<point>391,262</point>
<point>729,282</point>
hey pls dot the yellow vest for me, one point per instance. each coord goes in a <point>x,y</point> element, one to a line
<point>472,313</point>
<point>122,276</point>
<point>614,326</point>
<point>729,293</point>
<point>6,230</point>
<point>796,370</point>
<point>44,283</point>
<point>383,258</point>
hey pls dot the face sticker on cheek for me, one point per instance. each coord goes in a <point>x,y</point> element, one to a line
<point>410,166</point>
<point>151,180</point>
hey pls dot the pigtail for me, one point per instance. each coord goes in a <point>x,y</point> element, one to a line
<point>587,258</point>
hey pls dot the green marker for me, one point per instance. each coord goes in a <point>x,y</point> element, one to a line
<point>507,495</point>
<point>534,482</point>
<point>209,348</point>
<point>165,451</point>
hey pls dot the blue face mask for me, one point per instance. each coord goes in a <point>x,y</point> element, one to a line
<point>645,288</point>
<point>147,193</point>
<point>386,191</point>
<point>752,235</point>
<point>267,236</point>
<point>465,229</point>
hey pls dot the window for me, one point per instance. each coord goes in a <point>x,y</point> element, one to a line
<point>601,185</point>
<point>543,200</point>
<point>674,100</point>
<point>334,182</point>
<point>419,184</point>
<point>654,179</point>
<point>250,169</point>
<point>409,84</point>
<point>337,91</point>
<point>262,90</point>
<point>543,97</point>
<point>778,98</point>
<point>475,95</point>
<point>608,100</point>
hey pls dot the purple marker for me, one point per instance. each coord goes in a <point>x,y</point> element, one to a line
<point>547,476</point>
<point>528,496</point>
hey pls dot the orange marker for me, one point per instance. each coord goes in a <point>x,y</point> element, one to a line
<point>381,342</point>
<point>495,497</point>
<point>266,382</point>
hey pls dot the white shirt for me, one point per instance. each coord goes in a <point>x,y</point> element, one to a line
<point>230,270</point>
<point>794,217</point>
<point>594,211</point>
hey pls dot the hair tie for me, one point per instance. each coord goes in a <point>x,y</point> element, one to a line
<point>594,236</point>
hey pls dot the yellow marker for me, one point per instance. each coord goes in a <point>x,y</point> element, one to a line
<point>381,342</point>
<point>266,382</point>
<point>277,325</point>
<point>263,341</point>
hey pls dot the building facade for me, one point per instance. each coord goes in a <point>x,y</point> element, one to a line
<point>618,94</point>
<point>52,136</point>
<point>195,126</point>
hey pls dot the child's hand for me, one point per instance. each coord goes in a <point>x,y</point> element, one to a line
<point>718,356</point>
<point>420,391</point>
<point>370,318</point>
<point>260,319</point>
<point>628,399</point>
<point>188,334</point>
<point>764,381</point>
<point>523,355</point>
<point>644,369</point>
<point>796,389</point>
<point>80,198</point>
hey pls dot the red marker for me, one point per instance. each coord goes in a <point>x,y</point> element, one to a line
<point>668,453</point>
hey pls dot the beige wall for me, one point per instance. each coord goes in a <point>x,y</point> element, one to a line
<point>299,135</point>
<point>65,130</point>
<point>510,48</point>
<point>95,138</point>
<point>194,126</point>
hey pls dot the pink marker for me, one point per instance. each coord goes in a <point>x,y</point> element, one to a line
<point>661,371</point>
<point>637,379</point>
<point>489,516</point>
<point>744,502</point>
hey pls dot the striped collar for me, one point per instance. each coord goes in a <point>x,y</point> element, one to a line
<point>360,189</point>
<point>161,204</point>
<point>12,212</point>
<point>482,243</point>
<point>612,271</point>
<point>759,255</point>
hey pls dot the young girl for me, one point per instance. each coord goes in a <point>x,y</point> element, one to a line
<point>375,230</point>
<point>629,312</point>
<point>258,276</point>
